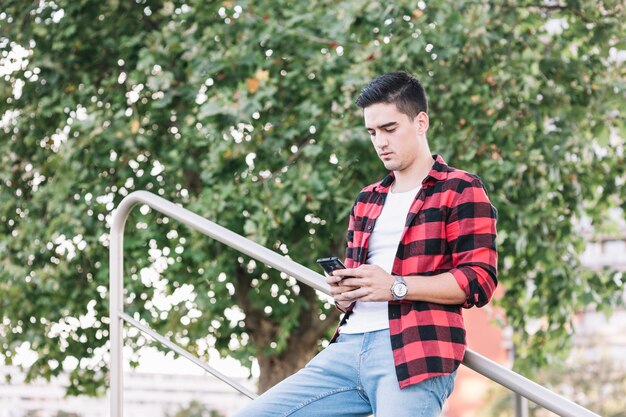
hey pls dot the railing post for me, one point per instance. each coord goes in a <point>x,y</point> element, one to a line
<point>116,266</point>
<point>116,304</point>
<point>520,405</point>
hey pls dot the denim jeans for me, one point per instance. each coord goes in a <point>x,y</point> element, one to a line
<point>355,376</point>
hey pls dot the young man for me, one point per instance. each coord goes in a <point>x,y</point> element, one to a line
<point>421,245</point>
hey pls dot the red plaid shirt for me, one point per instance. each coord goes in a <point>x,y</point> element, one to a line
<point>451,227</point>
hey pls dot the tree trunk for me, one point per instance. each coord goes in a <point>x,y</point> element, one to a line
<point>275,368</point>
<point>263,330</point>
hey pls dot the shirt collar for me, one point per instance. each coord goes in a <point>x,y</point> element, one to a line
<point>438,172</point>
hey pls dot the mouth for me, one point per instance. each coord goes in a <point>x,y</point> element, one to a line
<point>385,154</point>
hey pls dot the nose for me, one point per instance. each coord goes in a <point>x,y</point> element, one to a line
<point>380,140</point>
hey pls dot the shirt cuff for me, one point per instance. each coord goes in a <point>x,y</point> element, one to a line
<point>463,281</point>
<point>345,309</point>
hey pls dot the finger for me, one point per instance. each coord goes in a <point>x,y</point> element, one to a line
<point>348,272</point>
<point>350,295</point>
<point>341,298</point>
<point>335,292</point>
<point>332,280</point>
<point>340,289</point>
<point>338,293</point>
<point>351,283</point>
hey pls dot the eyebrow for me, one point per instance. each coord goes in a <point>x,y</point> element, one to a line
<point>383,126</point>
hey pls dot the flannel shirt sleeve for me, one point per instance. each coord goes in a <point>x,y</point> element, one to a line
<point>471,231</point>
<point>349,261</point>
<point>350,249</point>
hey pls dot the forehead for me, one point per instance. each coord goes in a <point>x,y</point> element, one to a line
<point>382,113</point>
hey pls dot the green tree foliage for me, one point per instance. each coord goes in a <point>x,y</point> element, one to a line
<point>243,112</point>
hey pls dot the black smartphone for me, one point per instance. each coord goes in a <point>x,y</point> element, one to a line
<point>330,264</point>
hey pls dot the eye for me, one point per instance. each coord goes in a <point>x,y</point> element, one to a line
<point>390,130</point>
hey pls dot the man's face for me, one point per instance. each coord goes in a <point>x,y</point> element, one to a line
<point>396,138</point>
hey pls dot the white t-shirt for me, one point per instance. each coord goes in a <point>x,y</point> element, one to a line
<point>369,316</point>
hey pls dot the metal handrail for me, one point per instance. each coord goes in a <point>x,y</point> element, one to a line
<point>182,352</point>
<point>505,377</point>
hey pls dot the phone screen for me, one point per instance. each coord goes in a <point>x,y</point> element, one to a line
<point>330,264</point>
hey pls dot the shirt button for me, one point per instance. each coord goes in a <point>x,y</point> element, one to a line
<point>369,228</point>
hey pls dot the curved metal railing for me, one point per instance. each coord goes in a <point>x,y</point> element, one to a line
<point>503,376</point>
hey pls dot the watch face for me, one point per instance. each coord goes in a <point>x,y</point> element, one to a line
<point>400,290</point>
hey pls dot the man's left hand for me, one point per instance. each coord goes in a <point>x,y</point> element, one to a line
<point>370,283</point>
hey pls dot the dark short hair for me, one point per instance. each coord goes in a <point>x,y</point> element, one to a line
<point>400,88</point>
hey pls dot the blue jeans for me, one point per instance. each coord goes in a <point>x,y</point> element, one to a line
<point>354,376</point>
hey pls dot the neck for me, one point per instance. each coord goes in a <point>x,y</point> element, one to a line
<point>412,176</point>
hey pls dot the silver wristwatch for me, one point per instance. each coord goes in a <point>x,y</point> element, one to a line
<point>399,289</point>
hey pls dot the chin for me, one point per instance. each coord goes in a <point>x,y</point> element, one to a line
<point>391,166</point>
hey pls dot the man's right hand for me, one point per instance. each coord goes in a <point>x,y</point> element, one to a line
<point>336,289</point>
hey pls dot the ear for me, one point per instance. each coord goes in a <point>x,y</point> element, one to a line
<point>422,122</point>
